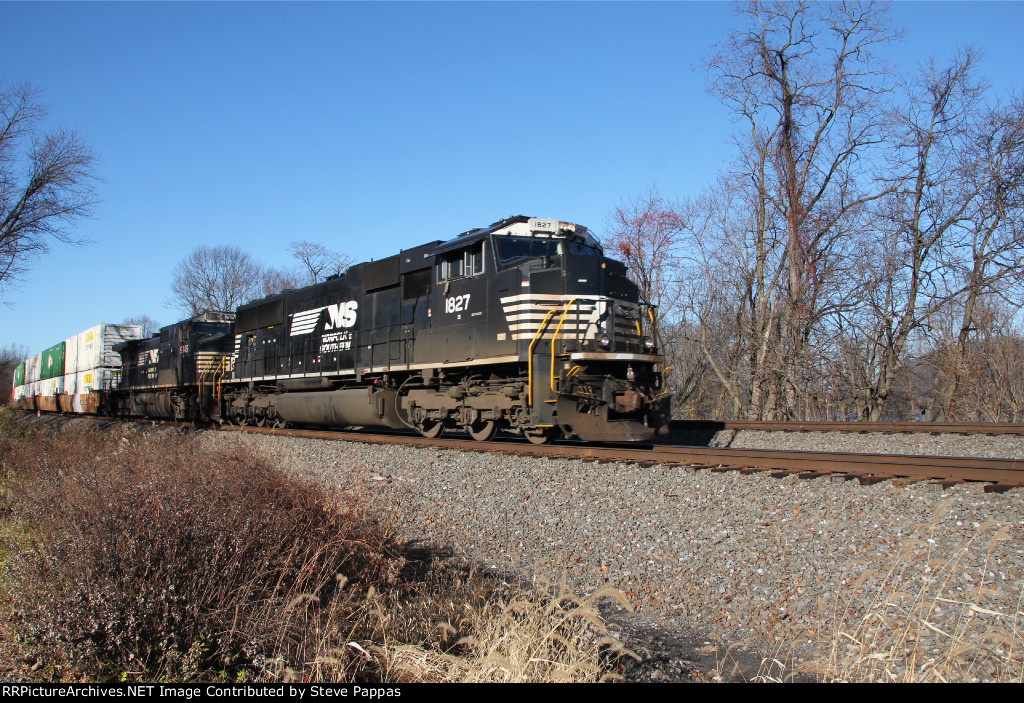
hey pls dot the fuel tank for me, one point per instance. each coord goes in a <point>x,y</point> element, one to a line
<point>349,407</point>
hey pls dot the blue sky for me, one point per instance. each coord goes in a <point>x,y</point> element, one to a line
<point>371,127</point>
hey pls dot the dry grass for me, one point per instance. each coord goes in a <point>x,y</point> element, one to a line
<point>541,635</point>
<point>139,557</point>
<point>922,625</point>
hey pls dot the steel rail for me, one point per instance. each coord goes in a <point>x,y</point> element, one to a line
<point>991,428</point>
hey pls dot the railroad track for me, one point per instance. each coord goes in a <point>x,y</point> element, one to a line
<point>989,428</point>
<point>997,474</point>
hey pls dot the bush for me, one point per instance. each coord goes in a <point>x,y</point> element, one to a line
<point>129,556</point>
<point>151,557</point>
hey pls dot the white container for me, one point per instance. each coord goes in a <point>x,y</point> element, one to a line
<point>32,366</point>
<point>94,348</point>
<point>89,385</point>
<point>70,354</point>
<point>52,386</point>
<point>73,389</point>
<point>49,392</point>
<point>94,380</point>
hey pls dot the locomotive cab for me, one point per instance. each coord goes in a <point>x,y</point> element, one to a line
<point>559,327</point>
<point>595,371</point>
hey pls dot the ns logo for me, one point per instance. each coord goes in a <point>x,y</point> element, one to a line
<point>341,315</point>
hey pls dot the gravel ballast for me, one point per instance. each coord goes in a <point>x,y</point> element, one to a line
<point>1005,446</point>
<point>768,564</point>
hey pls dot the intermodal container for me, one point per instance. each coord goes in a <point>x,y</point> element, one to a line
<point>95,346</point>
<point>71,354</point>
<point>52,386</point>
<point>32,365</point>
<point>52,362</point>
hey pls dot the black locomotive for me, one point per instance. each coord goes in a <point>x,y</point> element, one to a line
<point>523,326</point>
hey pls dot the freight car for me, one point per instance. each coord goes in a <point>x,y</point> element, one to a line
<point>524,326</point>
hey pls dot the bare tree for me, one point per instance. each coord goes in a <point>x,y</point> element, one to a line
<point>946,235</point>
<point>215,278</point>
<point>725,279</point>
<point>276,280</point>
<point>986,369</point>
<point>148,324</point>
<point>847,263</point>
<point>46,182</point>
<point>10,357</point>
<point>989,253</point>
<point>645,232</point>
<point>804,81</point>
<point>318,262</point>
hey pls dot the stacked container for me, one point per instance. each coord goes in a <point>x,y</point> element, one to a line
<point>72,375</point>
<point>31,387</point>
<point>51,376</point>
<point>19,383</point>
<point>91,365</point>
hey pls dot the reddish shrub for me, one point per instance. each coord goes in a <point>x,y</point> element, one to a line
<point>152,556</point>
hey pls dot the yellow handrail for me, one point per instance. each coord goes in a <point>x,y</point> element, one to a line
<point>555,339</point>
<point>219,372</point>
<point>529,361</point>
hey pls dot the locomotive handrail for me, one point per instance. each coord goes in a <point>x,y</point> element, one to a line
<point>529,359</point>
<point>554,340</point>
<point>201,379</point>
<point>220,371</point>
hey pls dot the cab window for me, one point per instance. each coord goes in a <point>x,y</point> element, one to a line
<point>462,263</point>
<point>512,249</point>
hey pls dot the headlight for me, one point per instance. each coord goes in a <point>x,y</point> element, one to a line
<point>605,342</point>
<point>649,344</point>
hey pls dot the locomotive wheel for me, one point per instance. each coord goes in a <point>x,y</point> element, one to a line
<point>432,430</point>
<point>539,435</point>
<point>482,431</point>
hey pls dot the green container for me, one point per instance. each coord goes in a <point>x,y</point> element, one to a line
<point>19,374</point>
<point>53,362</point>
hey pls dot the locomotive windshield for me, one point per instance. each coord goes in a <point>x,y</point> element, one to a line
<point>513,248</point>
<point>212,327</point>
